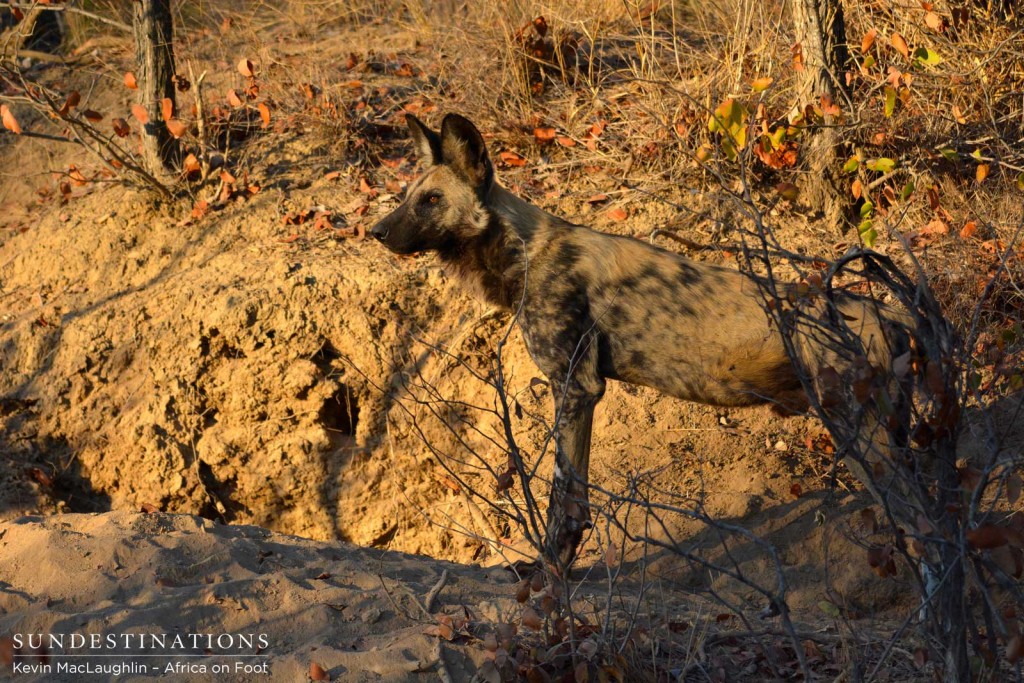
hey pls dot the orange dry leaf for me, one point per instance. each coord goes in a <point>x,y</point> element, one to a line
<point>933,21</point>
<point>140,113</point>
<point>544,134</point>
<point>177,128</point>
<point>167,108</point>
<point>191,164</point>
<point>900,44</point>
<point>129,80</point>
<point>617,214</point>
<point>783,157</point>
<point>76,176</point>
<point>512,159</point>
<point>10,123</point>
<point>246,68</point>
<point>798,57</point>
<point>868,41</point>
<point>233,99</point>
<point>264,114</point>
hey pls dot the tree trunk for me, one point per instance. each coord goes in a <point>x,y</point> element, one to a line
<point>154,63</point>
<point>821,35</point>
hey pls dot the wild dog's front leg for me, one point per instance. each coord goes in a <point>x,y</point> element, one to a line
<point>561,338</point>
<point>569,509</point>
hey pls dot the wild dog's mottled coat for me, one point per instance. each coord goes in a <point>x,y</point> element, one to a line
<point>592,306</point>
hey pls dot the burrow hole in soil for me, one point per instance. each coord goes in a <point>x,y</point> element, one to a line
<point>340,412</point>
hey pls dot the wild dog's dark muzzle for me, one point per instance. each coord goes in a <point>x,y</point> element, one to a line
<point>380,231</point>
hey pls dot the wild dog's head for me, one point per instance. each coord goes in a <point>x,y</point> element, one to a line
<point>444,207</point>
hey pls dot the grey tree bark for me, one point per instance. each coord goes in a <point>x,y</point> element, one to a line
<point>153,27</point>
<point>821,33</point>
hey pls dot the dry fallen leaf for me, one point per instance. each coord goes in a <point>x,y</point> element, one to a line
<point>140,113</point>
<point>611,555</point>
<point>191,164</point>
<point>70,103</point>
<point>129,80</point>
<point>317,673</point>
<point>76,176</point>
<point>531,619</point>
<point>10,123</point>
<point>120,127</point>
<point>544,134</point>
<point>233,99</point>
<point>787,191</point>
<point>264,114</point>
<point>177,128</point>
<point>617,214</point>
<point>512,159</point>
<point>167,108</point>
<point>868,41</point>
<point>246,68</point>
<point>900,44</point>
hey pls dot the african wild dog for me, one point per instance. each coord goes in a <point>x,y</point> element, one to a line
<point>594,307</point>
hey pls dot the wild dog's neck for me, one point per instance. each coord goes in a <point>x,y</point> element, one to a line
<point>494,260</point>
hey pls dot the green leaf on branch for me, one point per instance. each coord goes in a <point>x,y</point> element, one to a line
<point>730,119</point>
<point>867,232</point>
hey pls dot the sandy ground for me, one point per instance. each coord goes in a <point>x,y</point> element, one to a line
<point>349,610</point>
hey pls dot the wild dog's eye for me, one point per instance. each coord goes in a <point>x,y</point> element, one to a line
<point>431,198</point>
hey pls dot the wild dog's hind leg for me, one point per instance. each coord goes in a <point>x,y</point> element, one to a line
<point>576,388</point>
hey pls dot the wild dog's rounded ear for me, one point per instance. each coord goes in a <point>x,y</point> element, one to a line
<point>428,143</point>
<point>463,148</point>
